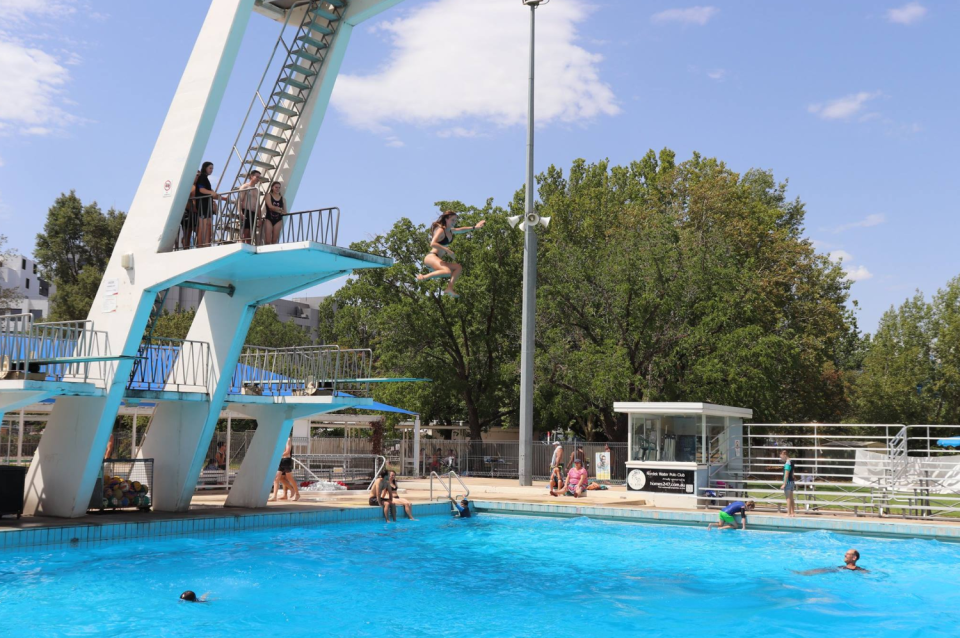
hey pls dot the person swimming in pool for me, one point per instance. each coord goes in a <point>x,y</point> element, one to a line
<point>728,515</point>
<point>190,597</point>
<point>850,559</point>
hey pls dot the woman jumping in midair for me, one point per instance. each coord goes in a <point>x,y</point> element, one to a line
<point>442,233</point>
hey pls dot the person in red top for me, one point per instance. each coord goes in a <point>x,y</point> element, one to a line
<point>577,479</point>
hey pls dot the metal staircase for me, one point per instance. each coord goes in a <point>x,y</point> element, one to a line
<point>302,52</point>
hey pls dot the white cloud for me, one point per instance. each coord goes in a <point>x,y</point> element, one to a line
<point>907,14</point>
<point>33,80</point>
<point>852,273</point>
<point>717,74</point>
<point>844,107</point>
<point>866,222</point>
<point>460,60</point>
<point>31,83</point>
<point>21,10</point>
<point>858,273</point>
<point>693,15</point>
<point>458,131</point>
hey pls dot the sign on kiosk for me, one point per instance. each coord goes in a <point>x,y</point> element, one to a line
<point>661,480</point>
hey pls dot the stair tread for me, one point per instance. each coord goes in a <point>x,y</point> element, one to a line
<point>282,109</point>
<point>288,96</point>
<point>307,55</point>
<point>302,70</point>
<point>320,44</point>
<point>272,138</point>
<point>278,124</point>
<point>296,83</point>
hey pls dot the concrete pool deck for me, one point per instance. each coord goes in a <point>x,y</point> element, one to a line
<point>208,515</point>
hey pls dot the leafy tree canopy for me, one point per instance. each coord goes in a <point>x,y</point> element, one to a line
<point>73,251</point>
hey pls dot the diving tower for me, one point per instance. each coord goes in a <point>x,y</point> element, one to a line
<point>236,272</point>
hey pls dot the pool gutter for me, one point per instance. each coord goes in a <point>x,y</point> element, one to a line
<point>882,528</point>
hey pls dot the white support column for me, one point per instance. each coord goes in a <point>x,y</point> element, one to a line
<point>416,447</point>
<point>259,467</point>
<point>19,438</point>
<point>133,434</point>
<point>66,464</point>
<point>226,469</point>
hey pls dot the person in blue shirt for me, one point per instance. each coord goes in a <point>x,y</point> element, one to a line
<point>789,482</point>
<point>463,507</point>
<point>729,513</point>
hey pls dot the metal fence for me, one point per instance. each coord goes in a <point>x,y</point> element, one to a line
<point>865,469</point>
<point>172,364</point>
<point>311,371</point>
<point>53,351</point>
<point>238,216</point>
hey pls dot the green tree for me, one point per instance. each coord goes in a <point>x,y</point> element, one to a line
<point>946,351</point>
<point>469,347</point>
<point>73,251</point>
<point>266,329</point>
<point>683,282</point>
<point>900,374</point>
<point>8,296</point>
<point>911,369</point>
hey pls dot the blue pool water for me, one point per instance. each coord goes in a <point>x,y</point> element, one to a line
<point>487,576</point>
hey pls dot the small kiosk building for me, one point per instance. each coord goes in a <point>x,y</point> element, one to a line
<point>678,448</point>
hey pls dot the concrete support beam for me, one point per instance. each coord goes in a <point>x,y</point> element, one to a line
<point>68,459</point>
<point>274,423</point>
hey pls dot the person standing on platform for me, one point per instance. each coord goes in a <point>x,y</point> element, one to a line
<point>249,207</point>
<point>205,206</point>
<point>275,207</point>
<point>789,482</point>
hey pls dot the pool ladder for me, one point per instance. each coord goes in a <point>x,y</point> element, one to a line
<point>448,486</point>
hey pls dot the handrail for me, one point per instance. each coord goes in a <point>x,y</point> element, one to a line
<point>183,364</point>
<point>449,484</point>
<point>57,350</point>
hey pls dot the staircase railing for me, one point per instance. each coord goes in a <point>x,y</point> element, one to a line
<point>280,106</point>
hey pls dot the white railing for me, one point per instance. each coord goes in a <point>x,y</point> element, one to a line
<point>53,351</point>
<point>448,486</point>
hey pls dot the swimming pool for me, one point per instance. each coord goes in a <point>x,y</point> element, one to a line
<point>492,575</point>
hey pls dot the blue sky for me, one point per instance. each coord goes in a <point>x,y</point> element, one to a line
<point>853,102</point>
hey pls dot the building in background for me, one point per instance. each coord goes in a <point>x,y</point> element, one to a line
<point>303,311</point>
<point>20,273</point>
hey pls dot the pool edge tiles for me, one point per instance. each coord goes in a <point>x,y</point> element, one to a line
<point>52,537</point>
<point>882,528</point>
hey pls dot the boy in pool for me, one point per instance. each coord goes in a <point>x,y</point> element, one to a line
<point>729,513</point>
<point>463,507</point>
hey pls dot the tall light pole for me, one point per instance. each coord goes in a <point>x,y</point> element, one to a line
<point>528,325</point>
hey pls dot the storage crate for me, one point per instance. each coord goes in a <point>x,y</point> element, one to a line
<point>123,484</point>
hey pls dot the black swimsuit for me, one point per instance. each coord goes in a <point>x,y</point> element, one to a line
<point>273,216</point>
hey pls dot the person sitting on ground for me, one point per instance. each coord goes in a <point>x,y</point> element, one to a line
<point>556,480</point>
<point>382,496</point>
<point>593,485</point>
<point>577,479</point>
<point>394,490</point>
<point>463,507</point>
<point>729,513</point>
<point>850,559</point>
